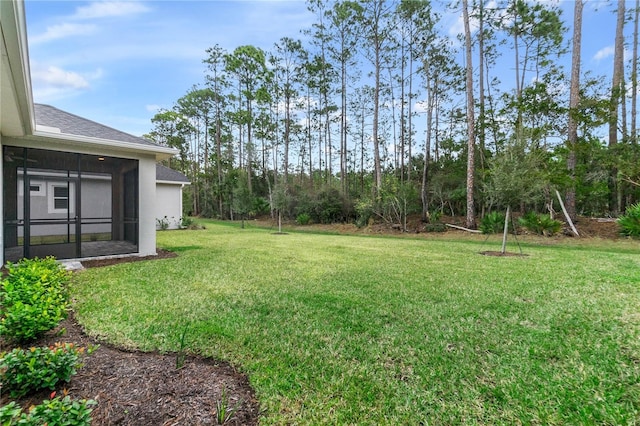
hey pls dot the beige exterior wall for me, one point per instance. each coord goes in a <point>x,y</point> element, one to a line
<point>147,199</point>
<point>169,204</point>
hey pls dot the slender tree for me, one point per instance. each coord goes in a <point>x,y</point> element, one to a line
<point>574,101</point>
<point>616,96</point>
<point>471,143</point>
<point>248,64</point>
<point>374,19</point>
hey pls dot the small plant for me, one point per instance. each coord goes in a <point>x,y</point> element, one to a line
<point>540,224</point>
<point>186,222</point>
<point>492,223</point>
<point>303,219</point>
<point>162,224</point>
<point>33,298</point>
<point>181,355</point>
<point>435,216</point>
<point>224,411</point>
<point>56,411</point>
<point>25,371</point>
<point>629,223</point>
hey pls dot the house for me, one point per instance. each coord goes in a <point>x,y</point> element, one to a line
<point>169,185</point>
<point>72,188</point>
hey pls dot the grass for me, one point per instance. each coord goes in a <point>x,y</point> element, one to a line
<point>386,331</point>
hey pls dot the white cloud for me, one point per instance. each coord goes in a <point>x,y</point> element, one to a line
<point>61,31</point>
<point>52,82</point>
<point>153,108</point>
<point>105,9</point>
<point>54,76</point>
<point>604,53</point>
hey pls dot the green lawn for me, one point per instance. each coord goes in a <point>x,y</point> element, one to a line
<point>372,331</point>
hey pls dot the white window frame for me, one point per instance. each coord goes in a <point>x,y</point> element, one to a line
<point>51,203</point>
<point>41,192</point>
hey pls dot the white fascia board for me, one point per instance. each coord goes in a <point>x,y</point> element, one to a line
<point>173,182</point>
<point>14,39</point>
<point>160,152</point>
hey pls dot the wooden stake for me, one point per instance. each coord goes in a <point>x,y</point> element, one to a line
<point>506,230</point>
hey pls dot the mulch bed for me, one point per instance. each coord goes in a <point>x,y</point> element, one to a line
<point>501,254</point>
<point>143,388</point>
<point>95,263</point>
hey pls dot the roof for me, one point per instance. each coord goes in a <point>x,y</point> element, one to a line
<point>64,122</point>
<point>165,174</point>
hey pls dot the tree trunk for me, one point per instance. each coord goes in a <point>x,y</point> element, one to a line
<point>634,73</point>
<point>616,87</point>
<point>574,101</point>
<point>471,218</point>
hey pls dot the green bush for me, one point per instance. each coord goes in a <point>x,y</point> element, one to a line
<point>492,223</point>
<point>435,227</point>
<point>629,223</point>
<point>56,411</point>
<point>29,271</point>
<point>303,219</point>
<point>364,212</point>
<point>540,224</point>
<point>33,298</point>
<point>23,371</point>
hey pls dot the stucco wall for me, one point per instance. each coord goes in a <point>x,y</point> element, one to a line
<point>169,205</point>
<point>147,197</point>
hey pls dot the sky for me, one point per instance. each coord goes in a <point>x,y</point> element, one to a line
<point>118,62</point>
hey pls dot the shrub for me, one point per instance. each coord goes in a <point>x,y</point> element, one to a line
<point>329,206</point>
<point>162,224</point>
<point>186,221</point>
<point>25,371</point>
<point>56,411</point>
<point>33,298</point>
<point>364,212</point>
<point>629,223</point>
<point>540,224</point>
<point>435,227</point>
<point>29,271</point>
<point>303,219</point>
<point>492,223</point>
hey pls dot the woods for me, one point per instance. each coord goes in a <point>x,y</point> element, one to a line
<point>378,111</point>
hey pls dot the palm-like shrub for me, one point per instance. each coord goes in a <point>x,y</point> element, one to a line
<point>492,223</point>
<point>630,222</point>
<point>540,224</point>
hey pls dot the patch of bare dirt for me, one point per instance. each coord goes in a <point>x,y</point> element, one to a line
<point>501,254</point>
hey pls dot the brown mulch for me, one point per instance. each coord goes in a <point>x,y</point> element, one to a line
<point>143,388</point>
<point>501,254</point>
<point>95,263</point>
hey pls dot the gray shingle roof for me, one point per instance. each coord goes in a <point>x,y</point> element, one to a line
<point>72,124</point>
<point>164,173</point>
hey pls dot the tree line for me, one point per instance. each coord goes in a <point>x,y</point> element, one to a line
<point>381,113</point>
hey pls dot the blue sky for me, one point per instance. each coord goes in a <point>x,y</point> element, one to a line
<point>117,62</point>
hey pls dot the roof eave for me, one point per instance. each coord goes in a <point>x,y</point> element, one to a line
<point>160,152</point>
<point>173,182</point>
<point>15,54</point>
